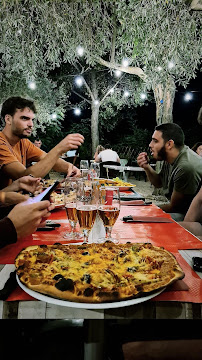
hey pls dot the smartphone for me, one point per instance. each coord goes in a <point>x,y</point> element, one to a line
<point>197,263</point>
<point>44,195</point>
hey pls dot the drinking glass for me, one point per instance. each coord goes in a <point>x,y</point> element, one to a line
<point>109,209</point>
<point>95,170</point>
<point>86,206</point>
<point>84,166</point>
<point>70,194</point>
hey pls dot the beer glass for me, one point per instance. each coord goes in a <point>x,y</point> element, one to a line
<point>86,206</point>
<point>109,209</point>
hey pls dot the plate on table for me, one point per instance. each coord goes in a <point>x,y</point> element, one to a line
<point>79,305</point>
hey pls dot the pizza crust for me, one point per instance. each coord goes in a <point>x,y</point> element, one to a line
<point>37,268</point>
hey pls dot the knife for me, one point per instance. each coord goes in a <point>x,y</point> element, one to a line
<point>146,219</point>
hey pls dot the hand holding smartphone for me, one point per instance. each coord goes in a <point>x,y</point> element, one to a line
<point>44,195</point>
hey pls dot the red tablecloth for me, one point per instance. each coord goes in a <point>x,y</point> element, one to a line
<point>169,235</point>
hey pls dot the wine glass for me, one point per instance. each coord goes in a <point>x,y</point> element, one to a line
<point>70,194</point>
<point>95,170</point>
<point>84,166</point>
<point>109,209</point>
<point>86,206</point>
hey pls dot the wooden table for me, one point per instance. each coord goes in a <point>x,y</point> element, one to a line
<point>170,235</point>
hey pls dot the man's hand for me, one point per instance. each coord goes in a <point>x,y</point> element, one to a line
<point>26,218</point>
<point>73,171</point>
<point>142,160</point>
<point>27,183</point>
<point>71,141</point>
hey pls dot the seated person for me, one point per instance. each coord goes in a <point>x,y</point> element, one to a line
<point>38,143</point>
<point>108,157</point>
<point>99,148</point>
<point>193,218</point>
<point>16,151</point>
<point>198,148</point>
<point>181,172</point>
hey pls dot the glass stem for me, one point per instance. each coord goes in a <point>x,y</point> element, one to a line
<point>108,230</point>
<point>85,235</point>
<point>73,226</point>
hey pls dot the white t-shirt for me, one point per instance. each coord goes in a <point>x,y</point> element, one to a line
<point>108,155</point>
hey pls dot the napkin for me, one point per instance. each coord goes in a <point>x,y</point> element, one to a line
<point>148,219</point>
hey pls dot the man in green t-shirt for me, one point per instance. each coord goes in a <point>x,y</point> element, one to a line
<point>181,172</point>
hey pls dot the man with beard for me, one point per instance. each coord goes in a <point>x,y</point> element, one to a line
<point>181,173</point>
<point>16,150</point>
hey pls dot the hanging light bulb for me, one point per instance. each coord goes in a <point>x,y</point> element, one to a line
<point>126,93</point>
<point>77,111</point>
<point>54,116</point>
<point>125,62</point>
<point>159,68</point>
<point>31,85</point>
<point>80,50</point>
<point>118,73</point>
<point>143,96</point>
<point>79,81</point>
<point>188,96</point>
<point>111,90</point>
<point>171,65</point>
<point>96,102</point>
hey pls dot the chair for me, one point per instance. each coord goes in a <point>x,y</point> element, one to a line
<point>108,173</point>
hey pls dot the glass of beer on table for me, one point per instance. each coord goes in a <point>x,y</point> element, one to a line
<point>109,209</point>
<point>70,196</point>
<point>86,205</point>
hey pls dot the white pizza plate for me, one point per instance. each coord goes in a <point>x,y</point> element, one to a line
<point>78,305</point>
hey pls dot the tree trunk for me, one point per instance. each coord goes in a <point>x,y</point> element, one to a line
<point>164,94</point>
<point>95,106</point>
<point>94,126</point>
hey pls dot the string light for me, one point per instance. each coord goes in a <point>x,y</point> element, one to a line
<point>159,68</point>
<point>80,50</point>
<point>126,93</point>
<point>118,73</point>
<point>79,81</point>
<point>171,64</point>
<point>31,85</point>
<point>77,111</point>
<point>111,91</point>
<point>125,62</point>
<point>54,116</point>
<point>143,96</point>
<point>96,102</point>
<point>188,96</point>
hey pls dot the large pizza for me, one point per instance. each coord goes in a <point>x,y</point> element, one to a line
<point>96,273</point>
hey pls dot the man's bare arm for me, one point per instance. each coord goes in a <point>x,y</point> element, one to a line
<point>175,204</point>
<point>194,212</point>
<point>47,161</point>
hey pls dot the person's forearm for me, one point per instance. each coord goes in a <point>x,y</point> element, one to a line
<point>42,167</point>
<point>194,212</point>
<point>62,166</point>
<point>153,177</point>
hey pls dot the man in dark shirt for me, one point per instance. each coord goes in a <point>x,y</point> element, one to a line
<point>181,171</point>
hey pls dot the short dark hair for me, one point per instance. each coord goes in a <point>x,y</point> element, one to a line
<point>16,102</point>
<point>171,131</point>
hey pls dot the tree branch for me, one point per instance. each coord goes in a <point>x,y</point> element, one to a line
<point>127,69</point>
<point>81,96</point>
